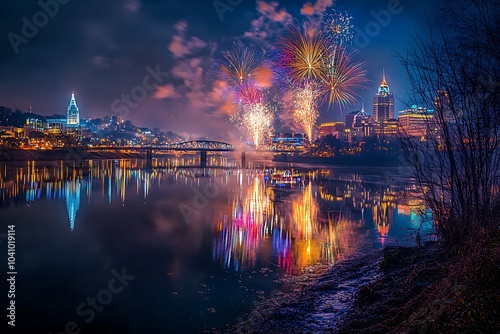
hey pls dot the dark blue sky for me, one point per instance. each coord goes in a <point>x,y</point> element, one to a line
<point>101,49</point>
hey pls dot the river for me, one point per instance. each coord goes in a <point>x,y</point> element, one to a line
<point>115,248</point>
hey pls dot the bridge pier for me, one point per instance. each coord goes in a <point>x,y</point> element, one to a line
<point>203,158</point>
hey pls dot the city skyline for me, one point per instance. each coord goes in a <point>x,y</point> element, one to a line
<point>184,45</point>
<point>262,166</point>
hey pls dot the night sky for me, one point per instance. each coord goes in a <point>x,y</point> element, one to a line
<point>101,49</point>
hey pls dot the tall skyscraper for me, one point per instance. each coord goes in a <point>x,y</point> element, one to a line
<point>73,115</point>
<point>383,103</point>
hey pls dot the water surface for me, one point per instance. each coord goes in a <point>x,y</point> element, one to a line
<point>202,245</point>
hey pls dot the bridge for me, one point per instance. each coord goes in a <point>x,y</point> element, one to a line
<point>202,146</point>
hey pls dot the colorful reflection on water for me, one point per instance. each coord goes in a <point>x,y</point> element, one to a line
<point>198,239</point>
<point>308,216</point>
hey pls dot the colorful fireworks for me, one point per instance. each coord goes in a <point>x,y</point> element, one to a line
<point>312,64</point>
<point>305,107</point>
<point>314,67</point>
<point>248,93</point>
<point>239,65</point>
<point>342,76</point>
<point>257,118</point>
<point>302,53</point>
<point>240,69</point>
<point>338,28</point>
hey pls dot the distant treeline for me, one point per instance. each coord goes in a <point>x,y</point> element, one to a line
<point>17,118</point>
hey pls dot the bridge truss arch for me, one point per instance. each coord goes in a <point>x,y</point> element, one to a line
<point>202,145</point>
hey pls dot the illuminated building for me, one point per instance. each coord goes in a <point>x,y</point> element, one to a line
<point>33,124</point>
<point>383,103</point>
<point>295,139</point>
<point>360,122</point>
<point>73,114</point>
<point>390,127</point>
<point>330,128</point>
<point>55,125</point>
<point>416,121</point>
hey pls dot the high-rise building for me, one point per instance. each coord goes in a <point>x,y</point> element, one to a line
<point>383,103</point>
<point>417,122</point>
<point>359,121</point>
<point>73,115</point>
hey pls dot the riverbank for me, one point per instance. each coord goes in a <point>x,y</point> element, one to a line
<point>397,290</point>
<point>317,301</point>
<point>57,155</point>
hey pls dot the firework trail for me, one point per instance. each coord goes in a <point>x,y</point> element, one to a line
<point>338,28</point>
<point>305,107</point>
<point>257,119</point>
<point>341,77</point>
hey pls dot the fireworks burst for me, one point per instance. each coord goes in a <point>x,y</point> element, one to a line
<point>305,108</point>
<point>302,53</point>
<point>342,76</point>
<point>338,28</point>
<point>239,65</point>
<point>257,118</point>
<point>248,93</point>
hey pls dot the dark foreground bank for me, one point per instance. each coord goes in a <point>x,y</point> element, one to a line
<point>397,290</point>
<point>318,300</point>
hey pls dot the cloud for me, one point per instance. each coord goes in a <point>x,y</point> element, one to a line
<point>193,88</point>
<point>181,46</point>
<point>319,8</point>
<point>166,91</point>
<point>269,11</point>
<point>265,29</point>
<point>132,5</point>
<point>307,9</point>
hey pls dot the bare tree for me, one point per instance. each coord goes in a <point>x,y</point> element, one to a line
<point>455,69</point>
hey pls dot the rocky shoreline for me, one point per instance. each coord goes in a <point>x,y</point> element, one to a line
<point>394,290</point>
<point>318,300</point>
